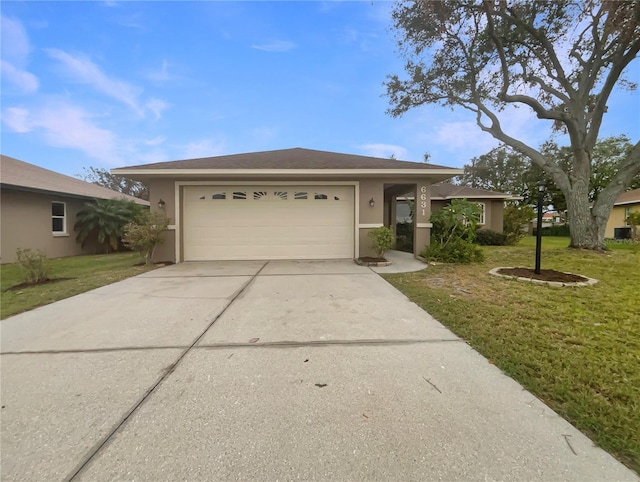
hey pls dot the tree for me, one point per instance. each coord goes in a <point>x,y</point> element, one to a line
<point>124,185</point>
<point>104,220</point>
<point>146,233</point>
<point>561,59</point>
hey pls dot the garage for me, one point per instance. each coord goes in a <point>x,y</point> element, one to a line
<point>230,222</point>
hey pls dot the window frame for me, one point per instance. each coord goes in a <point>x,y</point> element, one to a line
<point>64,231</point>
<point>483,214</point>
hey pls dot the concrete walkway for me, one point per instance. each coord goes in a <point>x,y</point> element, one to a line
<point>284,370</point>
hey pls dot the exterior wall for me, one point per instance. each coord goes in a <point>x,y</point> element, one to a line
<point>165,190</point>
<point>368,217</point>
<point>495,223</point>
<point>26,223</point>
<point>493,213</point>
<point>617,218</point>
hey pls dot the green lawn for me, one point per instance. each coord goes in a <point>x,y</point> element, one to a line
<point>85,273</point>
<point>577,349</point>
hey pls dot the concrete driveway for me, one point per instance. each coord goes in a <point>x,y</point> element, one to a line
<point>313,370</point>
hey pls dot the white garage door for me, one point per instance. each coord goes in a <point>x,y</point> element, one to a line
<point>268,222</point>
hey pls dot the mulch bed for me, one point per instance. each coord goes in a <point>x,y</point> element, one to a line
<point>43,282</point>
<point>545,275</point>
<point>370,259</point>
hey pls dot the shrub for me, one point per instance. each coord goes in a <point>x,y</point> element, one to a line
<point>382,240</point>
<point>144,235</point>
<point>487,237</point>
<point>455,251</point>
<point>33,264</point>
<point>453,232</point>
<point>515,218</point>
<point>560,230</point>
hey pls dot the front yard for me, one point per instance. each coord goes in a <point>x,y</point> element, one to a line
<point>577,349</point>
<point>83,273</point>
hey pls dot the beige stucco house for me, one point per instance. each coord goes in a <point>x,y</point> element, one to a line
<point>38,209</point>
<point>284,204</point>
<point>626,203</point>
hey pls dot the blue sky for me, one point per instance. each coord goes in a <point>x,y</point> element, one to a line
<point>108,84</point>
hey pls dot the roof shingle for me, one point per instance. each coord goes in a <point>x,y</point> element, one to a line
<point>296,158</point>
<point>20,174</point>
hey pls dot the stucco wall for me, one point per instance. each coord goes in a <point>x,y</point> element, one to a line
<point>369,217</point>
<point>617,218</point>
<point>26,223</point>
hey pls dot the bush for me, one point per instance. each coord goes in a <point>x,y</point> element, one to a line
<point>453,232</point>
<point>515,218</point>
<point>455,251</point>
<point>560,230</point>
<point>383,240</point>
<point>487,237</point>
<point>33,264</point>
<point>146,234</point>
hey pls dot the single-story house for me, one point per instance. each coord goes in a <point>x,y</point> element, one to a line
<point>283,204</point>
<point>625,203</point>
<point>38,208</point>
<point>491,202</point>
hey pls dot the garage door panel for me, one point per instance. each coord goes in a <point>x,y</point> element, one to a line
<point>269,222</point>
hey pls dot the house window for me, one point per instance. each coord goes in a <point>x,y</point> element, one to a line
<point>58,218</point>
<point>482,214</point>
<point>627,211</point>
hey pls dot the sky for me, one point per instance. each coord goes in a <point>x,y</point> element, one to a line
<point>110,84</point>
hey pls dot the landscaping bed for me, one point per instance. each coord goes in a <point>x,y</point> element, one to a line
<point>576,348</point>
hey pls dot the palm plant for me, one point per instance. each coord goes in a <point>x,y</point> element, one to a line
<point>104,220</point>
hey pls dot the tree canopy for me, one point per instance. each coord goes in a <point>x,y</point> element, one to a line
<point>124,185</point>
<point>561,59</point>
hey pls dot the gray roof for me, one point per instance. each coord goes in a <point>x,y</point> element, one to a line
<point>296,158</point>
<point>22,175</point>
<point>445,190</point>
<point>629,197</point>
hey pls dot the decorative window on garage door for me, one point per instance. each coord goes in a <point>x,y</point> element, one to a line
<point>219,195</point>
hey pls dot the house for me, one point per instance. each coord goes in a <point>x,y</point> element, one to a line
<point>491,202</point>
<point>38,209</point>
<point>283,204</point>
<point>626,203</point>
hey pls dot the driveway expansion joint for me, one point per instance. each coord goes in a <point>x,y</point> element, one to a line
<point>167,372</point>
<point>320,343</point>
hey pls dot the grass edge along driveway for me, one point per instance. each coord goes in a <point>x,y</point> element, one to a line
<point>577,349</point>
<point>84,273</point>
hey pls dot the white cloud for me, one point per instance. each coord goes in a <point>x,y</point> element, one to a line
<point>456,136</point>
<point>161,74</point>
<point>155,141</point>
<point>16,119</point>
<point>65,125</point>
<point>202,148</point>
<point>23,80</point>
<point>156,106</point>
<point>83,70</point>
<point>275,46</point>
<point>384,150</point>
<point>15,42</point>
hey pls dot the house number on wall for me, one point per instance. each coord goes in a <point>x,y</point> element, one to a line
<point>423,199</point>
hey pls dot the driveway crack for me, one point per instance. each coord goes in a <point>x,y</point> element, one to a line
<point>122,422</point>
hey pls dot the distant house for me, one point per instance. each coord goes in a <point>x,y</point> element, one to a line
<point>625,204</point>
<point>38,208</point>
<point>491,202</point>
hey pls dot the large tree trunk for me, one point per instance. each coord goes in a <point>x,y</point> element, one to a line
<point>586,224</point>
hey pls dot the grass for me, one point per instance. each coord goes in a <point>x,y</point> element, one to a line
<point>84,272</point>
<point>577,349</point>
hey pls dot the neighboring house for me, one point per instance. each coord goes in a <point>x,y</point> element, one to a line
<point>38,208</point>
<point>491,202</point>
<point>626,203</point>
<point>284,204</point>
